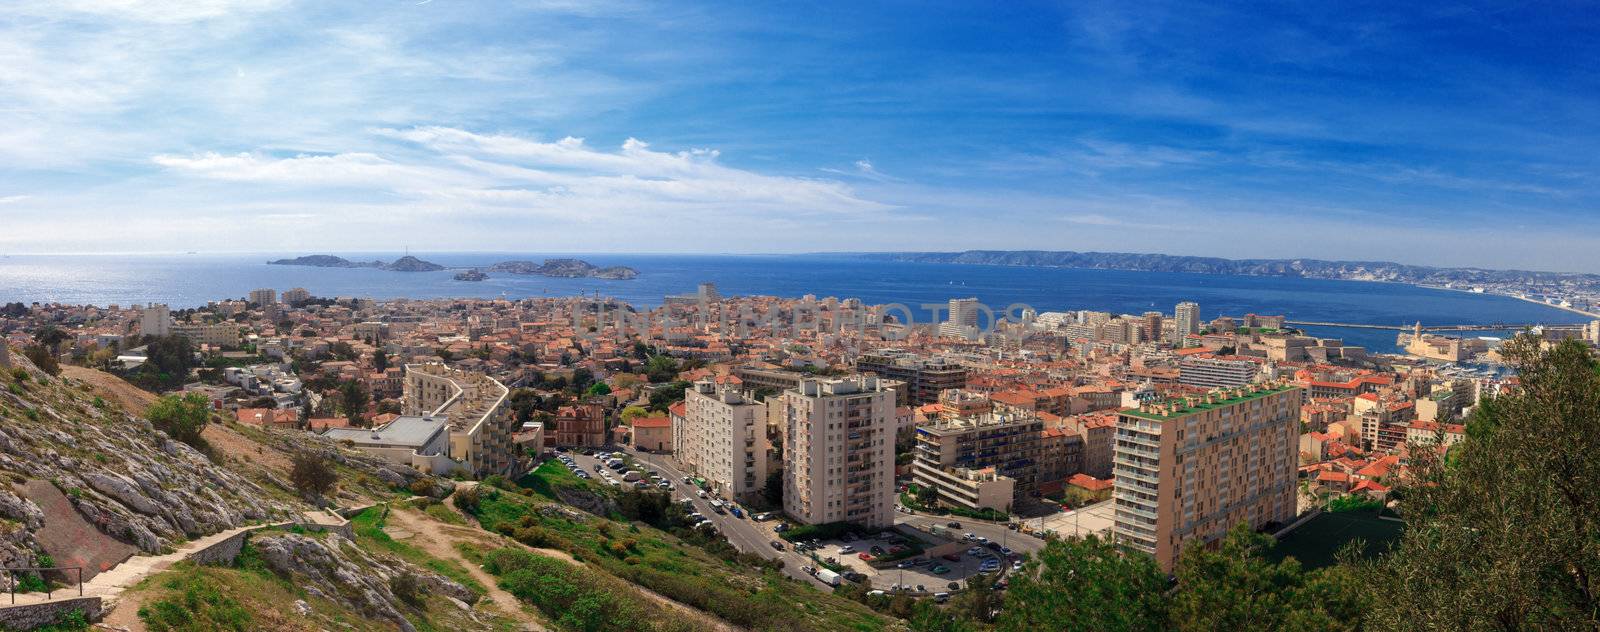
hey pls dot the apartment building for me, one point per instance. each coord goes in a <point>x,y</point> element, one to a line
<point>155,320</point>
<point>1216,372</point>
<point>1189,469</point>
<point>221,335</point>
<point>724,439</point>
<point>475,407</point>
<point>1007,442</point>
<point>264,296</point>
<point>838,437</point>
<point>925,378</point>
<point>1187,315</point>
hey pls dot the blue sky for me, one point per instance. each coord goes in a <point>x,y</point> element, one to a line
<point>1459,134</point>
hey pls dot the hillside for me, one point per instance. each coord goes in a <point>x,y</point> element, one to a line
<point>1308,268</point>
<point>87,482</point>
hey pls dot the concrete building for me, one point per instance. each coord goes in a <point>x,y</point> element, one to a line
<point>419,442</point>
<point>221,335</point>
<point>479,419</point>
<point>1007,442</point>
<point>1216,372</point>
<point>264,296</point>
<point>724,439</point>
<point>1187,470</point>
<point>839,451</point>
<point>1187,315</point>
<point>155,320</point>
<point>296,296</point>
<point>925,378</point>
<point>962,321</point>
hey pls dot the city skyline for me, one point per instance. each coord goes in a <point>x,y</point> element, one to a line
<point>1418,135</point>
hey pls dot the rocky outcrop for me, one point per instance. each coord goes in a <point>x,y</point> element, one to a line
<point>336,569</point>
<point>128,480</point>
<point>565,268</point>
<point>587,501</point>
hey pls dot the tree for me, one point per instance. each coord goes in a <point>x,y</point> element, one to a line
<point>1502,535</point>
<point>631,413</point>
<point>668,395</point>
<point>168,362</point>
<point>1235,587</point>
<point>380,360</point>
<point>51,337</point>
<point>41,357</point>
<point>182,418</point>
<point>598,388</point>
<point>353,399</point>
<point>661,368</point>
<point>311,474</point>
<point>1085,584</point>
<point>342,350</point>
<point>773,492</point>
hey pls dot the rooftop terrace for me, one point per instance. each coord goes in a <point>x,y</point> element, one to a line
<point>1175,408</point>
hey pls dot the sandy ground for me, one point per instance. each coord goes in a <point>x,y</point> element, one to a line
<point>112,388</point>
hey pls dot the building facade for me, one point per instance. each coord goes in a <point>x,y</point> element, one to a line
<point>724,439</point>
<point>1007,442</point>
<point>925,378</point>
<point>1188,470</point>
<point>1186,317</point>
<point>1216,372</point>
<point>839,451</point>
<point>479,418</point>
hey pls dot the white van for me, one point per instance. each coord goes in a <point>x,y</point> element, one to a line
<point>631,476</point>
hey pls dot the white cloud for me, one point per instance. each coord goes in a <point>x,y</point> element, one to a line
<point>12,199</point>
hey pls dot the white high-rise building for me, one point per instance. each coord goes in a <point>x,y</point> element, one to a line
<point>724,439</point>
<point>963,320</point>
<point>838,451</point>
<point>1187,314</point>
<point>155,320</point>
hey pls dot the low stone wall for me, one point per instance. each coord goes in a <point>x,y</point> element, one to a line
<point>222,553</point>
<point>43,614</point>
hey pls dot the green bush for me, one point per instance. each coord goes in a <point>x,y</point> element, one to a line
<point>829,531</point>
<point>196,605</point>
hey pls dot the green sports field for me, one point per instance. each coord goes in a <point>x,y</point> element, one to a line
<point>1316,543</point>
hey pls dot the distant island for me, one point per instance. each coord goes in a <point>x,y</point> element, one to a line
<point>1389,271</point>
<point>565,268</point>
<point>404,264</point>
<point>471,275</point>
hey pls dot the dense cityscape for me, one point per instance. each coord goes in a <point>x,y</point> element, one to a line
<point>868,316</point>
<point>841,444</point>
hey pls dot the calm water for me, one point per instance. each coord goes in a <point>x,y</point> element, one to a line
<point>191,280</point>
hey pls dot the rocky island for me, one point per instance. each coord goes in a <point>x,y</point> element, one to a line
<point>565,268</point>
<point>404,264</point>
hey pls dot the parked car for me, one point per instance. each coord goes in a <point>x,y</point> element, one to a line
<point>953,524</point>
<point>847,549</point>
<point>940,569</point>
<point>954,557</point>
<point>855,576</point>
<point>974,551</point>
<point>941,597</point>
<point>777,544</point>
<point>1006,550</point>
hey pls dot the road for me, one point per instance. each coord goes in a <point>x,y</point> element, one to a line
<point>744,534</point>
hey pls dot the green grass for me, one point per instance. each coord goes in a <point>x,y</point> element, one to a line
<point>743,595</point>
<point>1316,543</point>
<point>368,526</point>
<point>550,476</point>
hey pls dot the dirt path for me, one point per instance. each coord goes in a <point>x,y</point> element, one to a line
<point>439,539</point>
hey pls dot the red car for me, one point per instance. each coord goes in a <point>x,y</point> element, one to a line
<point>954,557</point>
<point>865,557</point>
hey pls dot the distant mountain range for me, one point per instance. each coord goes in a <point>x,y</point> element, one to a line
<point>404,264</point>
<point>1307,268</point>
<point>566,268</point>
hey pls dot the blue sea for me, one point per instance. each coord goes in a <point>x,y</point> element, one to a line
<point>192,280</point>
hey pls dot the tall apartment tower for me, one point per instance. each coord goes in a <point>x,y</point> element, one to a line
<point>838,451</point>
<point>924,378</point>
<point>1150,327</point>
<point>1189,469</point>
<point>296,295</point>
<point>963,320</point>
<point>1187,314</point>
<point>155,320</point>
<point>708,293</point>
<point>264,296</point>
<point>724,439</point>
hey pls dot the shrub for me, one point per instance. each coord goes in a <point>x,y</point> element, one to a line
<point>42,358</point>
<point>422,487</point>
<point>182,418</point>
<point>311,474</point>
<point>468,500</point>
<point>197,604</point>
<point>407,587</point>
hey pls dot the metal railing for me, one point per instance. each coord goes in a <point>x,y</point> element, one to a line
<point>49,592</point>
